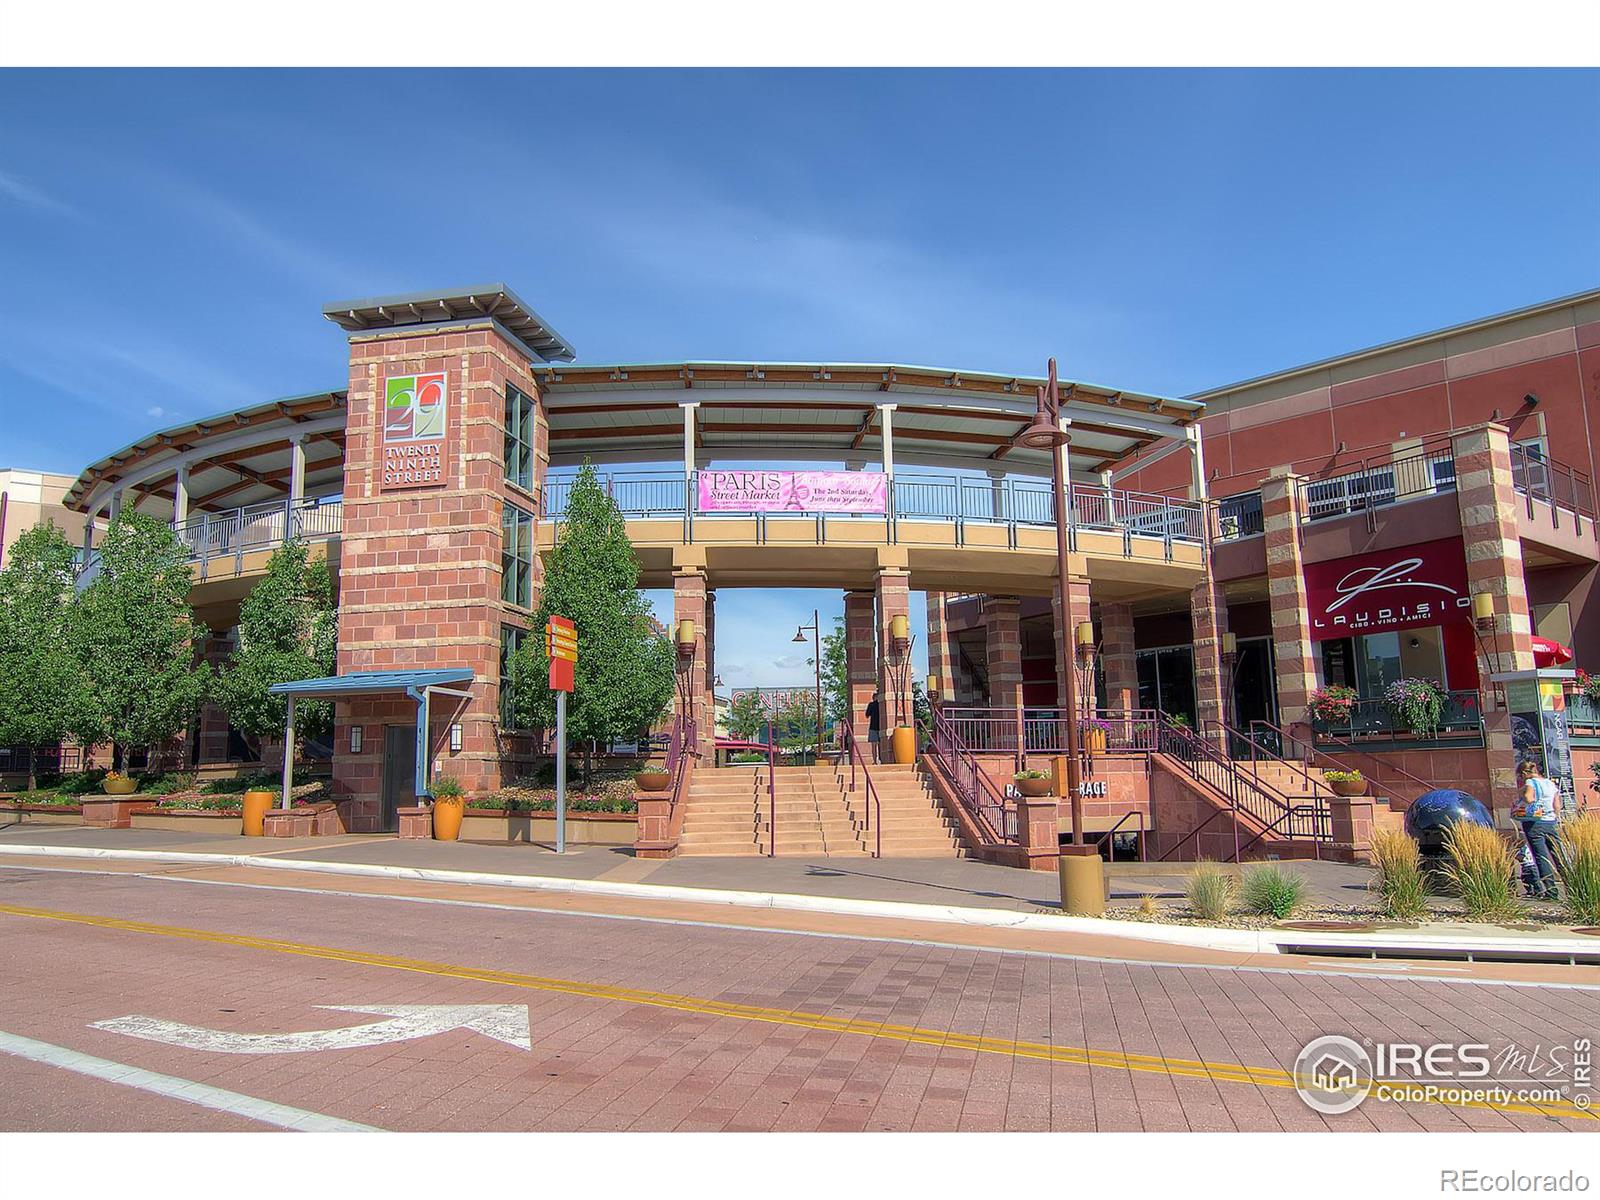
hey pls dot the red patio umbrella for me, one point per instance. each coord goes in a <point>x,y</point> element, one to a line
<point>1547,652</point>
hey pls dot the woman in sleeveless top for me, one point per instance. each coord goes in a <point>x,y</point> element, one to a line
<point>1537,814</point>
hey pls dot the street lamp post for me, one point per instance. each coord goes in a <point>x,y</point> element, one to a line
<point>800,636</point>
<point>1045,433</point>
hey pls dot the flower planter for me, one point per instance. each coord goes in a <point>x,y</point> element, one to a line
<point>904,742</point>
<point>1094,741</point>
<point>119,787</point>
<point>447,812</point>
<point>255,807</point>
<point>652,779</point>
<point>1348,787</point>
<point>1032,787</point>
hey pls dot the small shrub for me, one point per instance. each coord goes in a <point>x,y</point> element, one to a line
<point>1032,773</point>
<point>1343,776</point>
<point>1270,891</point>
<point>82,782</point>
<point>165,784</point>
<point>1400,882</point>
<point>448,787</point>
<point>199,804</point>
<point>1577,853</point>
<point>1210,891</point>
<point>257,781</point>
<point>1481,871</point>
<point>1148,906</point>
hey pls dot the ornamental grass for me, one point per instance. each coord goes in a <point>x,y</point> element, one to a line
<point>1399,880</point>
<point>1210,891</point>
<point>1481,871</point>
<point>1269,890</point>
<point>1577,853</point>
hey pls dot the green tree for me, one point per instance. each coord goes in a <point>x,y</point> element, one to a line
<point>625,666</point>
<point>137,641</point>
<point>835,674</point>
<point>747,718</point>
<point>43,684</point>
<point>288,629</point>
<point>795,725</point>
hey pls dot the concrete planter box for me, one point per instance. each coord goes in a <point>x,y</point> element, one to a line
<point>193,820</point>
<point>112,812</point>
<point>583,829</point>
<point>43,814</point>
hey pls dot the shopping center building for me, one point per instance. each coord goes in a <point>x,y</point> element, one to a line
<point>1421,509</point>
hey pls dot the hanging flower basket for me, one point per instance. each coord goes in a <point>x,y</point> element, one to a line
<point>1416,705</point>
<point>1332,705</point>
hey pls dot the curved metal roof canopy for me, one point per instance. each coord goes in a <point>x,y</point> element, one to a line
<point>624,412</point>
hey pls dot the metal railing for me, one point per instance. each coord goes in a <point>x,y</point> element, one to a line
<point>1379,481</point>
<point>239,531</point>
<point>1555,483</point>
<point>1379,773</point>
<point>1237,517</point>
<point>991,812</point>
<point>851,753</point>
<point>954,499</point>
<point>1043,731</point>
<point>1370,718</point>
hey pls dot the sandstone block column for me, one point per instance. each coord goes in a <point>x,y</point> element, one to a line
<point>893,600</point>
<point>1487,498</point>
<point>861,659</point>
<point>1208,611</point>
<point>1002,650</point>
<point>1117,656</point>
<point>941,654</point>
<point>1079,589</point>
<point>1286,587</point>
<point>425,501</point>
<point>689,604</point>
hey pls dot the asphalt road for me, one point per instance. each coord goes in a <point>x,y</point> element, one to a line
<point>134,1003</point>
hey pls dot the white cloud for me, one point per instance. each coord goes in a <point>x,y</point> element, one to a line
<point>157,411</point>
<point>26,194</point>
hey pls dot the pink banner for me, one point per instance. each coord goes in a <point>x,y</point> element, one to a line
<point>793,491</point>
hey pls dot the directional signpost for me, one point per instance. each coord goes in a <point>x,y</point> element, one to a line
<point>561,646</point>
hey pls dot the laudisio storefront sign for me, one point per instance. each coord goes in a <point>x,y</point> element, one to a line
<point>416,410</point>
<point>1408,588</point>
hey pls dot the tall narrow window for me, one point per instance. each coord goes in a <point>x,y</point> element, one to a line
<point>516,557</point>
<point>511,639</point>
<point>521,424</point>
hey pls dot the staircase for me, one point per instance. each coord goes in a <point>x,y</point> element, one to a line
<point>728,813</point>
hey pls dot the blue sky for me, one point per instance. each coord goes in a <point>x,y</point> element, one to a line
<point>167,238</point>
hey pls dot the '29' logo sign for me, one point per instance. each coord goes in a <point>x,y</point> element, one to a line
<point>414,408</point>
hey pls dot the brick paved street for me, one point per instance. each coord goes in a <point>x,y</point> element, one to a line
<point>651,1026</point>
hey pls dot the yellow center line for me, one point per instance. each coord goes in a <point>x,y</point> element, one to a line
<point>797,1018</point>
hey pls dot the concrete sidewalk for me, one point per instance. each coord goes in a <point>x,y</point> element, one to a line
<point>963,882</point>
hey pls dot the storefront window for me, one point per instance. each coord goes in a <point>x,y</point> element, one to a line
<point>521,425</point>
<point>1371,662</point>
<point>1166,680</point>
<point>516,557</point>
<point>511,639</point>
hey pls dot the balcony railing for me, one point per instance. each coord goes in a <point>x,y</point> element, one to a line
<point>1539,478</point>
<point>1371,719</point>
<point>240,531</point>
<point>922,497</point>
<point>1378,484</point>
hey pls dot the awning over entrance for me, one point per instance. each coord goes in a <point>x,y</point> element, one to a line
<point>418,685</point>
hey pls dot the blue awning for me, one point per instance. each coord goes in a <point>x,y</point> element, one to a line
<point>367,683</point>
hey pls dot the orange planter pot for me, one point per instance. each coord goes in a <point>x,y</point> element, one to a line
<point>120,787</point>
<point>1032,787</point>
<point>256,806</point>
<point>904,744</point>
<point>447,816</point>
<point>1094,741</point>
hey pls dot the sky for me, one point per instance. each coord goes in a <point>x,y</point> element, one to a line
<point>167,239</point>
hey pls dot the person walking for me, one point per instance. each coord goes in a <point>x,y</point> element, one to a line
<point>1536,812</point>
<point>875,727</point>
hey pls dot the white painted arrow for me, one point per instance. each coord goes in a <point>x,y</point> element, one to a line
<point>506,1023</point>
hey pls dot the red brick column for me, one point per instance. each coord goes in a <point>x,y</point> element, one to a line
<point>1002,650</point>
<point>1208,611</point>
<point>420,562</point>
<point>1037,832</point>
<point>1117,656</point>
<point>941,655</point>
<point>689,604</point>
<point>893,600</point>
<point>1079,592</point>
<point>1487,500</point>
<point>1286,586</point>
<point>861,657</point>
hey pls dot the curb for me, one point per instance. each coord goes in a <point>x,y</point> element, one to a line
<point>1238,941</point>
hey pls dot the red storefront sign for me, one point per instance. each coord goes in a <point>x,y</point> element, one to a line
<point>1408,588</point>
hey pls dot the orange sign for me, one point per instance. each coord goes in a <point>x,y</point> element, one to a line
<point>561,645</point>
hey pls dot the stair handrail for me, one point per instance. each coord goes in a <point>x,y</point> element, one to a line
<point>1105,838</point>
<point>1332,763</point>
<point>1261,801</point>
<point>969,781</point>
<point>772,794</point>
<point>852,753</point>
<point>1260,751</point>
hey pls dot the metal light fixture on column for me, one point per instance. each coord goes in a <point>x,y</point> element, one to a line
<point>816,634</point>
<point>1483,622</point>
<point>1087,653</point>
<point>1230,656</point>
<point>903,741</point>
<point>684,639</point>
